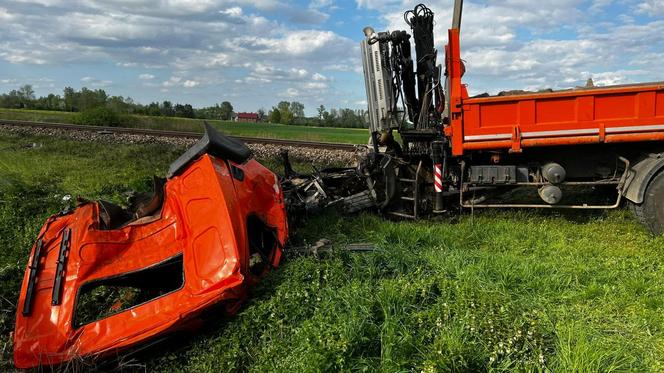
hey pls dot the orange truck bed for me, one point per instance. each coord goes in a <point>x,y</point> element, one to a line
<point>627,113</point>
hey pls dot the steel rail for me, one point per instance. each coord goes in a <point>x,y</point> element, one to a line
<point>178,134</point>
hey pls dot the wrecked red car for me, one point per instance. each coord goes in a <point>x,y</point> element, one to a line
<point>102,278</point>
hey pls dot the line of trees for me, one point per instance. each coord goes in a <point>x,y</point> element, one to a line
<point>293,113</point>
<point>85,99</point>
<point>347,118</point>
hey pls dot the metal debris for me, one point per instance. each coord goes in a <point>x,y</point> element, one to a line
<point>324,245</point>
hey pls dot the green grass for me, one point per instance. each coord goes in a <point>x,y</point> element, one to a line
<point>262,130</point>
<point>496,291</point>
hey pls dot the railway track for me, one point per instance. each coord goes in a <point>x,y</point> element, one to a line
<point>180,134</point>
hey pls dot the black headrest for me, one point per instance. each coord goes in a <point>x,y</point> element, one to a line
<point>215,144</point>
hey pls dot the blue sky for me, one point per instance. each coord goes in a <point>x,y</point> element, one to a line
<point>256,53</point>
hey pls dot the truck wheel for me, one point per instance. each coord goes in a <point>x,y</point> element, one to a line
<point>651,212</point>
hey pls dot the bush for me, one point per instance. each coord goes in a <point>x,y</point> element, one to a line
<point>99,116</point>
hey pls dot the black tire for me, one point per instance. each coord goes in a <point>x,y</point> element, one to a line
<point>651,212</point>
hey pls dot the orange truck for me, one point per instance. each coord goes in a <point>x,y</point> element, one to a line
<point>583,148</point>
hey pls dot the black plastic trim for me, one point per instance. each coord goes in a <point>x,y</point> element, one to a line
<point>32,278</point>
<point>215,144</point>
<point>60,269</point>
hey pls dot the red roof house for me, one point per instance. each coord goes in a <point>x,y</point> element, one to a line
<point>246,117</point>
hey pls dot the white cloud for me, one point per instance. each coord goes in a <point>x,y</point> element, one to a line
<point>599,5</point>
<point>614,77</point>
<point>196,6</point>
<point>95,83</point>
<point>23,56</point>
<point>652,7</point>
<point>316,4</point>
<point>291,93</point>
<point>42,2</point>
<point>235,11</point>
<point>311,16</point>
<point>651,60</point>
<point>5,15</point>
<point>377,4</point>
<point>109,29</point>
<point>306,80</point>
<point>158,8</point>
<point>315,85</point>
<point>177,81</point>
<point>172,82</point>
<point>146,77</point>
<point>319,77</point>
<point>301,43</point>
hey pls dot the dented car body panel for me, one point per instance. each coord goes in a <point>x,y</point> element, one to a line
<point>163,270</point>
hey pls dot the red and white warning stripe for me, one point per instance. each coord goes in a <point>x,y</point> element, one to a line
<point>438,177</point>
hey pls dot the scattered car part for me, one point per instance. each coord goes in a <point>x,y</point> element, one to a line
<point>321,245</point>
<point>325,245</point>
<point>361,247</point>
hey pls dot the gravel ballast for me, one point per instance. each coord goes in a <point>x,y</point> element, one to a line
<point>261,151</point>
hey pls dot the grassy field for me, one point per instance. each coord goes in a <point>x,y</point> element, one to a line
<point>263,130</point>
<point>490,292</point>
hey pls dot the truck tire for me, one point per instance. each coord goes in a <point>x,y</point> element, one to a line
<point>651,212</point>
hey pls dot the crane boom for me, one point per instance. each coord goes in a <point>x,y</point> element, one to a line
<point>456,17</point>
<point>456,24</point>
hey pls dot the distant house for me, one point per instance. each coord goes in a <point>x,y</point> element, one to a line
<point>246,117</point>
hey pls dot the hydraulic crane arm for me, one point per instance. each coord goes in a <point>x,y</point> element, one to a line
<point>456,24</point>
<point>456,17</point>
<point>390,79</point>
